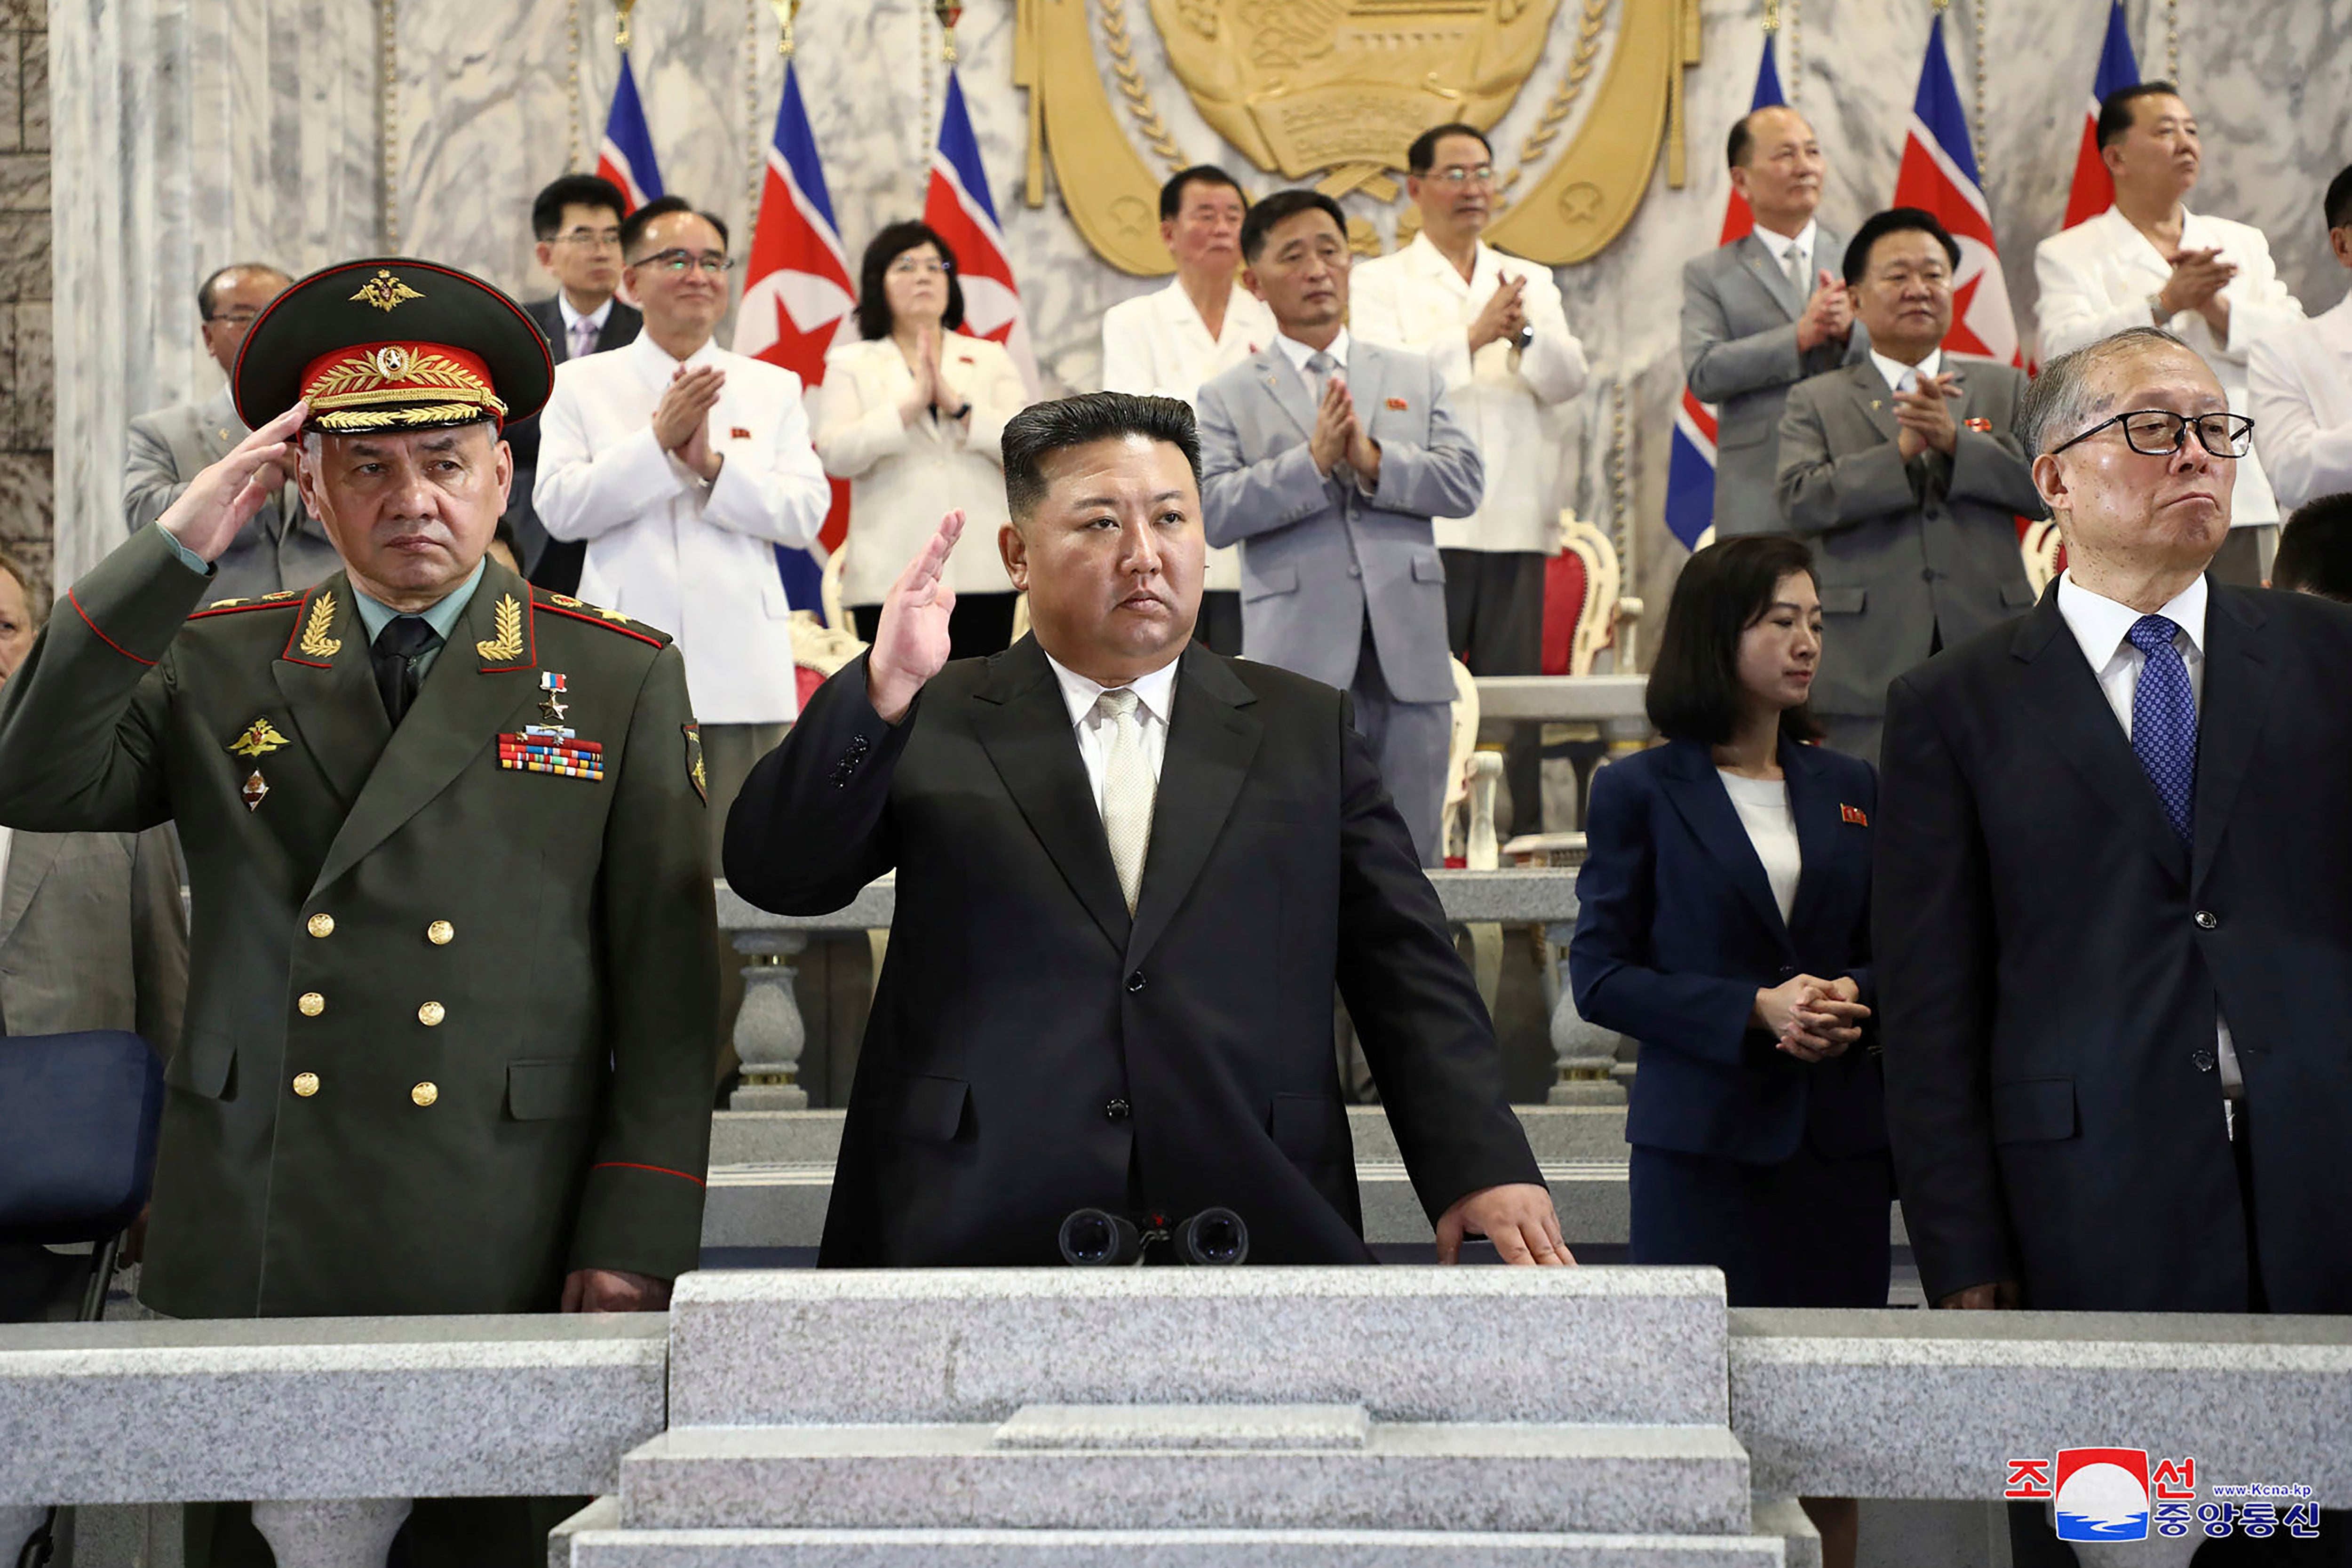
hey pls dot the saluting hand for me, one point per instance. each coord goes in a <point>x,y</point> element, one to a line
<point>911,643</point>
<point>223,499</point>
<point>1517,1218</point>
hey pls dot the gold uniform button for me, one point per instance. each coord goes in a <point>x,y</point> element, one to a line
<point>322,925</point>
<point>431,1014</point>
<point>439,933</point>
<point>311,1003</point>
<point>306,1084</point>
<point>425,1093</point>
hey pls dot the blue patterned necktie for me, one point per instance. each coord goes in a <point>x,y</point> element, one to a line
<point>2164,721</point>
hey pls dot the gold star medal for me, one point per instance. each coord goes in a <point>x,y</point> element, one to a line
<point>551,707</point>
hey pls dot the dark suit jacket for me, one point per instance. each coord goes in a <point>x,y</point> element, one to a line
<point>554,564</point>
<point>1904,550</point>
<point>1033,1050</point>
<point>1677,931</point>
<point>2048,976</point>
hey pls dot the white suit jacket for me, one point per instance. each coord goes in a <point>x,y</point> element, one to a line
<point>2299,386</point>
<point>2096,278</point>
<point>1415,300</point>
<point>903,478</point>
<point>698,563</point>
<point>1157,345</point>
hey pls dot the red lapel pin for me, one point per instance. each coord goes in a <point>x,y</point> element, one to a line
<point>1398,404</point>
<point>1855,815</point>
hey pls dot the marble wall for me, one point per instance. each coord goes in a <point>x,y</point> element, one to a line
<point>26,417</point>
<point>206,129</point>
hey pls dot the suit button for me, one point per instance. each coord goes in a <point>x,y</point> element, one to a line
<point>306,1084</point>
<point>322,925</point>
<point>424,1094</point>
<point>440,932</point>
<point>1135,980</point>
<point>1927,574</point>
<point>311,1003</point>
<point>2203,1060</point>
<point>1117,1111</point>
<point>1355,570</point>
<point>2207,919</point>
<point>1787,972</point>
<point>431,1014</point>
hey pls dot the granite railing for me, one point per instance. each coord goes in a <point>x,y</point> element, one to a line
<point>770,1033</point>
<point>1609,1374</point>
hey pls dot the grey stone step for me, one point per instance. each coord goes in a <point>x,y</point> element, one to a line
<point>600,1548</point>
<point>1564,1133</point>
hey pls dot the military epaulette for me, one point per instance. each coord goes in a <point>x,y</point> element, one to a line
<point>284,599</point>
<point>596,616</point>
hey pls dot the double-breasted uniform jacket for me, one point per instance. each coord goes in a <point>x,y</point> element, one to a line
<point>449,1035</point>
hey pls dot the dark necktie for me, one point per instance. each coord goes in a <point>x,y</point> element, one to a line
<point>394,655</point>
<point>2163,722</point>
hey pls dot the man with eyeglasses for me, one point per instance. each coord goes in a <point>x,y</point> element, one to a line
<point>681,465</point>
<point>2148,260</point>
<point>2114,950</point>
<point>1493,326</point>
<point>284,547</point>
<point>577,222</point>
<point>1902,474</point>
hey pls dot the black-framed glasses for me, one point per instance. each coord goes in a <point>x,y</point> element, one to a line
<point>678,263</point>
<point>591,239</point>
<point>2160,433</point>
<point>236,318</point>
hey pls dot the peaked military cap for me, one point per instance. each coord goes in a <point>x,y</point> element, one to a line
<point>391,343</point>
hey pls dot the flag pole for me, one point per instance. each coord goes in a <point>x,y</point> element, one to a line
<point>621,9</point>
<point>787,13</point>
<point>948,12</point>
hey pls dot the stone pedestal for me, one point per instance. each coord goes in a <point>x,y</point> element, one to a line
<point>770,1033</point>
<point>1586,1056</point>
<point>349,1533</point>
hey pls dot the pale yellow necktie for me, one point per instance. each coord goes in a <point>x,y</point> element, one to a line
<point>1129,789</point>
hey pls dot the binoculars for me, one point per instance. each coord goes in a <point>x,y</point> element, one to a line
<point>1096,1238</point>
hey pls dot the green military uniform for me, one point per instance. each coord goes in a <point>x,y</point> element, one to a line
<point>449,1021</point>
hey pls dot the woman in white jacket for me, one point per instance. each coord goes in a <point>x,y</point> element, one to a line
<point>912,416</point>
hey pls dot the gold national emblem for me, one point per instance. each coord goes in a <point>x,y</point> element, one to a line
<point>315,641</point>
<point>424,1094</point>
<point>260,739</point>
<point>385,292</point>
<point>505,646</point>
<point>306,1084</point>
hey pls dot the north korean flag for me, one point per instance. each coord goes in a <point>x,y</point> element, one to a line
<point>626,155</point>
<point>2094,188</point>
<point>1939,175</point>
<point>958,206</point>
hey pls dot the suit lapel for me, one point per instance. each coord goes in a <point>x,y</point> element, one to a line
<point>2240,680</point>
<point>1286,387</point>
<point>29,857</point>
<point>1759,260</point>
<point>1872,399</point>
<point>1211,742</point>
<point>330,688</point>
<point>1366,378</point>
<point>1024,727</point>
<point>1699,796</point>
<point>476,685</point>
<point>2072,714</point>
<point>1811,802</point>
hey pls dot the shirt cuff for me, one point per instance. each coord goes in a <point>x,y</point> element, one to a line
<point>188,558</point>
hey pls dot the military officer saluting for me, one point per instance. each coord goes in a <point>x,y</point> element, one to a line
<point>448,1039</point>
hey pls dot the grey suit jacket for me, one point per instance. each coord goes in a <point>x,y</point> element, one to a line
<point>283,547</point>
<point>1905,551</point>
<point>1318,555</point>
<point>92,935</point>
<point>1739,354</point>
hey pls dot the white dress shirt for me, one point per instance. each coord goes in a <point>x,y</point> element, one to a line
<point>1513,402</point>
<point>2101,630</point>
<point>1157,345</point>
<point>1155,701</point>
<point>696,560</point>
<point>1893,371</point>
<point>1772,823</point>
<point>1298,354</point>
<point>1806,239</point>
<point>2299,390</point>
<point>2096,279</point>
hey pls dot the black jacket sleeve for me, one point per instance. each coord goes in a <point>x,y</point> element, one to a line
<point>812,825</point>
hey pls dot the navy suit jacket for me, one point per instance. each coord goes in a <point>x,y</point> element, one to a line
<point>1676,929</point>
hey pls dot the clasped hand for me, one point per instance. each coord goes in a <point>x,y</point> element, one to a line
<point>2196,284</point>
<point>1338,437</point>
<point>1504,313</point>
<point>930,389</point>
<point>682,417</point>
<point>1810,1018</point>
<point>1829,313</point>
<point>1923,415</point>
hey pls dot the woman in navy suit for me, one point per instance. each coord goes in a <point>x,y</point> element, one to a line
<point>1723,921</point>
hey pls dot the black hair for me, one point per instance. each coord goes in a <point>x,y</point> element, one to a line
<point>2338,205</point>
<point>1894,220</point>
<point>2315,548</point>
<point>1695,693</point>
<point>1273,209</point>
<point>1421,156</point>
<point>572,191</point>
<point>208,292</point>
<point>1043,428</point>
<point>633,227</point>
<point>893,242</point>
<point>2116,113</point>
<point>1171,194</point>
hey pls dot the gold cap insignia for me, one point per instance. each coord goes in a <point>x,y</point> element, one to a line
<point>384,291</point>
<point>260,739</point>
